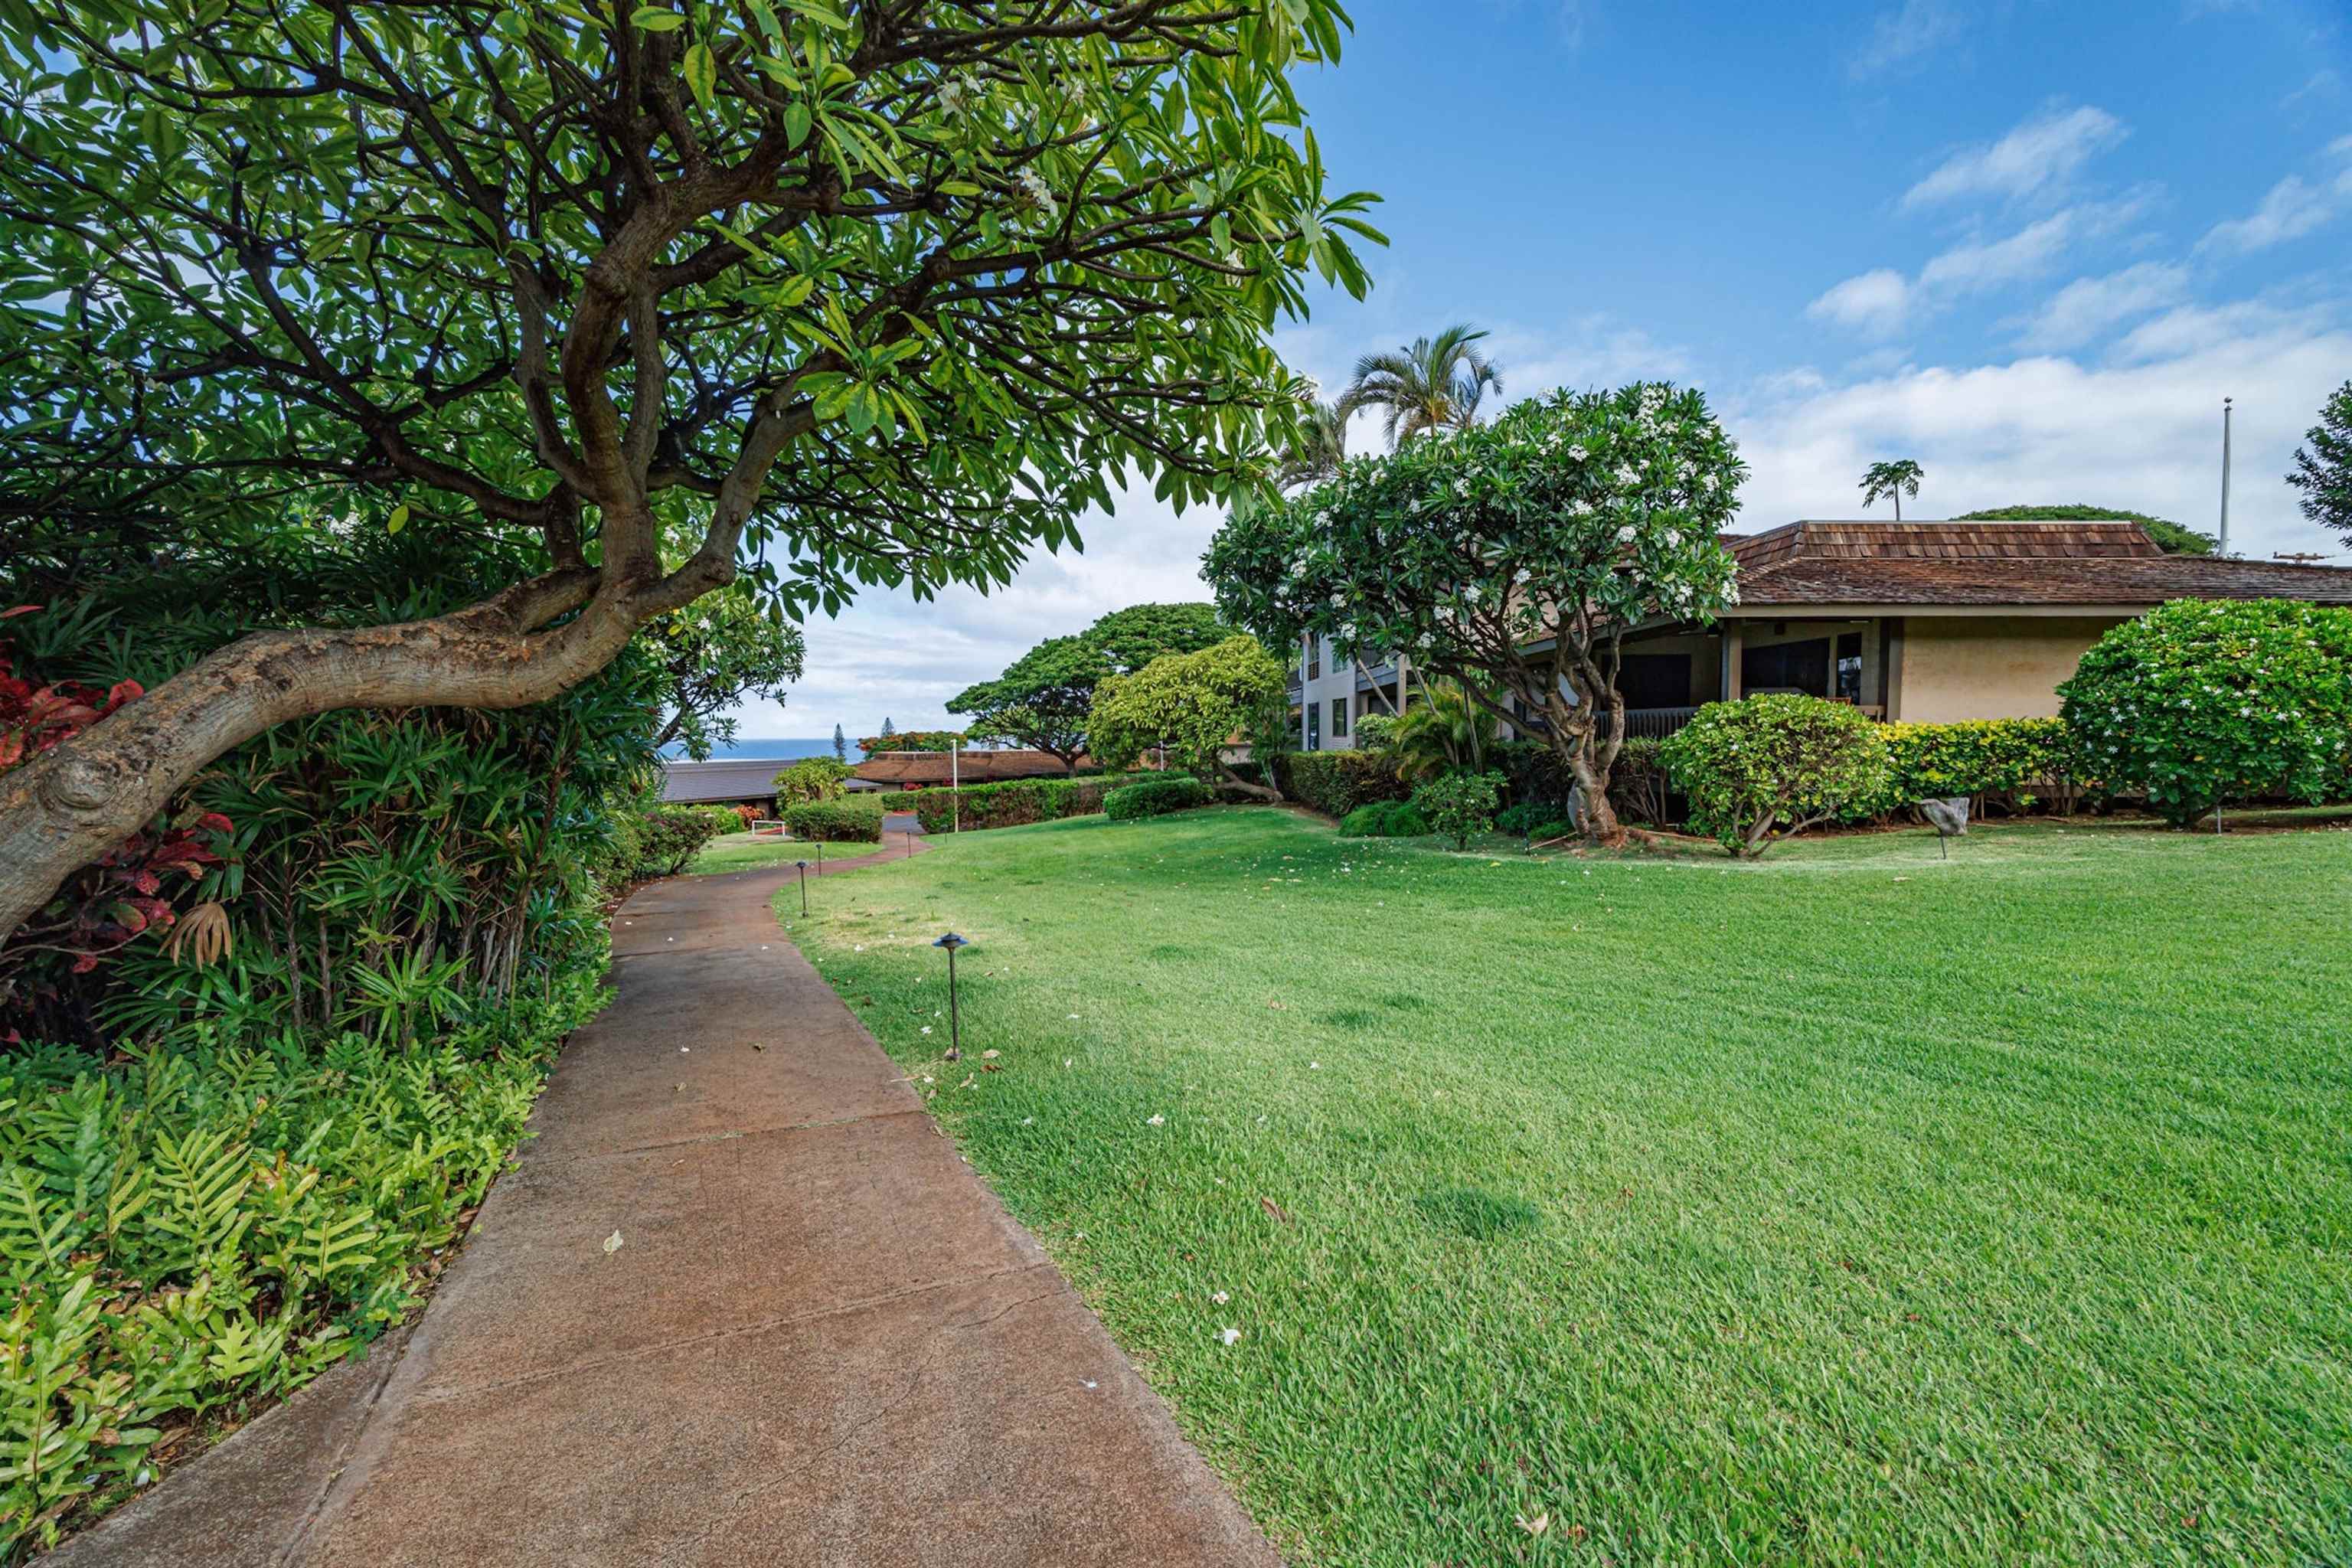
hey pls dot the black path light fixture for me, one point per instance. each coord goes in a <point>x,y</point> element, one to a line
<point>955,1016</point>
<point>803,866</point>
<point>820,856</point>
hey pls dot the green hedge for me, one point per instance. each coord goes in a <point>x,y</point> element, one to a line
<point>1155,796</point>
<point>2012,757</point>
<point>834,821</point>
<point>1010,804</point>
<point>1336,783</point>
<point>1385,819</point>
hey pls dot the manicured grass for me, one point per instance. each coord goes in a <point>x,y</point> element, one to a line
<point>744,852</point>
<point>1853,1207</point>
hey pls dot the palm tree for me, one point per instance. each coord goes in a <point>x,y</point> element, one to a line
<point>1444,731</point>
<point>1318,450</point>
<point>1435,383</point>
<point>1893,481</point>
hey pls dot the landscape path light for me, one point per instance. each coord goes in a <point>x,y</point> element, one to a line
<point>955,1017</point>
<point>803,866</point>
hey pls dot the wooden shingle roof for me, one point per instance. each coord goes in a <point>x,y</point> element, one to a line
<point>2100,562</point>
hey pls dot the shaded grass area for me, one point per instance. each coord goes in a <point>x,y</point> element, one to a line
<point>1849,1206</point>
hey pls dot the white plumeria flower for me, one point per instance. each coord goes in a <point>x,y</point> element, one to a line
<point>926,1028</point>
<point>1157,1120</point>
<point>1230,1336</point>
<point>1221,1297</point>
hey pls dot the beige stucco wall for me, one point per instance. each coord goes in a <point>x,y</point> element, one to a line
<point>1989,667</point>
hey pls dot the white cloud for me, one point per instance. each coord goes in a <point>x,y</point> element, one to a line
<point>2144,435</point>
<point>2090,306</point>
<point>2294,208</point>
<point>2039,155</point>
<point>1987,264</point>
<point>1877,303</point>
<point>1899,38</point>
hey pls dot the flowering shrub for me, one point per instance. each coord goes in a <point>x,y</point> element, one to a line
<point>1459,805</point>
<point>1749,765</point>
<point>2199,701</point>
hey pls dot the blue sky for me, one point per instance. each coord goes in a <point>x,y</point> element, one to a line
<point>2030,243</point>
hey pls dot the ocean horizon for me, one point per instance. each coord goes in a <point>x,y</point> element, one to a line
<point>784,748</point>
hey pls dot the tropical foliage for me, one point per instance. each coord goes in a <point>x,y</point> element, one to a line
<point>2201,702</point>
<point>1012,803</point>
<point>1891,482</point>
<point>1780,762</point>
<point>2322,465</point>
<point>1044,697</point>
<point>891,740</point>
<point>1194,704</point>
<point>715,653</point>
<point>812,778</point>
<point>1316,449</point>
<point>873,295</point>
<point>1509,557</point>
<point>1446,732</point>
<point>1431,384</point>
<point>1336,783</point>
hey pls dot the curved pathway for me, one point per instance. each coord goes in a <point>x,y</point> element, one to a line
<point>821,1340</point>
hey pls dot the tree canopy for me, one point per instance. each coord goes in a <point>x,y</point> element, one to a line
<point>2169,537</point>
<point>1511,556</point>
<point>1891,482</point>
<point>2323,467</point>
<point>1431,384</point>
<point>714,652</point>
<point>846,295</point>
<point>1044,698</point>
<point>1195,704</point>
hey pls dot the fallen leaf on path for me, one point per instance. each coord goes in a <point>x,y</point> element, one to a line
<point>612,1241</point>
<point>1535,1526</point>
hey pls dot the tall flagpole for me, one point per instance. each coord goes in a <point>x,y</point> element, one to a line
<point>2225,476</point>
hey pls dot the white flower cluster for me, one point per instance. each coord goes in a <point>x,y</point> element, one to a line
<point>1037,194</point>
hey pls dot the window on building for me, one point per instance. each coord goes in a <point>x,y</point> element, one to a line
<point>1313,656</point>
<point>1314,726</point>
<point>1848,666</point>
<point>1338,718</point>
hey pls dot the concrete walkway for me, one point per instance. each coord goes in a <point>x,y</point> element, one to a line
<point>821,1340</point>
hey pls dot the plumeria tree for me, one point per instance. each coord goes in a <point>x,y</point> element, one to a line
<point>844,293</point>
<point>1512,556</point>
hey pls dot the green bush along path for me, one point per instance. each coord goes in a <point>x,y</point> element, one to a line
<point>1849,1206</point>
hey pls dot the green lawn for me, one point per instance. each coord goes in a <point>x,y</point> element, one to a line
<point>1855,1207</point>
<point>744,852</point>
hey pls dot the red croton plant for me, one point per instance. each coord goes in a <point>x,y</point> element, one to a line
<point>125,893</point>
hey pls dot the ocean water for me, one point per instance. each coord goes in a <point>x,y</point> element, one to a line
<point>784,749</point>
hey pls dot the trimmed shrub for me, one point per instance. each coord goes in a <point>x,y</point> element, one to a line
<point>2002,757</point>
<point>1155,798</point>
<point>1008,805</point>
<point>1375,731</point>
<point>1749,765</point>
<point>1336,783</point>
<point>834,821</point>
<point>669,836</point>
<point>1385,819</point>
<point>1459,805</point>
<point>2200,701</point>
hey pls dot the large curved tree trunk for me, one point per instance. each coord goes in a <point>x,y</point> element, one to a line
<point>73,802</point>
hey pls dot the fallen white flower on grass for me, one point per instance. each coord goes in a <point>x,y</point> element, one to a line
<point>1535,1526</point>
<point>1027,1120</point>
<point>1230,1336</point>
<point>1314,1066</point>
<point>612,1241</point>
<point>926,1028</point>
<point>1221,1297</point>
<point>1074,1015</point>
<point>1157,1120</point>
<point>988,1055</point>
<point>1087,1382</point>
